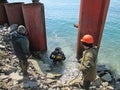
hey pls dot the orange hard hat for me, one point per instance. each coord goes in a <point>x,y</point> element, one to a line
<point>87,39</point>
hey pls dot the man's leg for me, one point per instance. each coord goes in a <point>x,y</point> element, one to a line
<point>21,65</point>
<point>86,85</point>
<point>25,67</point>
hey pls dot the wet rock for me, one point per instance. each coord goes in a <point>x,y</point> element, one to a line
<point>106,77</point>
<point>117,86</point>
<point>44,67</point>
<point>12,27</point>
<point>97,82</point>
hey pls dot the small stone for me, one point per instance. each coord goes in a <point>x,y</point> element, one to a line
<point>110,88</point>
<point>4,77</point>
<point>45,87</point>
<point>15,76</point>
<point>105,83</point>
<point>2,47</point>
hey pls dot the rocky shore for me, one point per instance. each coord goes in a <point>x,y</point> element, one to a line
<point>11,77</point>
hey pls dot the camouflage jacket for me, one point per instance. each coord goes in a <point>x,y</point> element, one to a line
<point>88,63</point>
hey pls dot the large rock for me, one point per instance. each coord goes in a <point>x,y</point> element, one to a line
<point>15,76</point>
<point>33,84</point>
<point>2,77</point>
<point>12,27</point>
<point>106,77</point>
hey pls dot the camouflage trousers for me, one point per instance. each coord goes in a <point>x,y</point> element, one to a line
<point>24,66</point>
<point>86,85</point>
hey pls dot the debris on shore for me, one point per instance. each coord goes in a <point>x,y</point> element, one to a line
<point>11,78</point>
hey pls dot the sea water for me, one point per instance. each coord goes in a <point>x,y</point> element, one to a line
<point>60,15</point>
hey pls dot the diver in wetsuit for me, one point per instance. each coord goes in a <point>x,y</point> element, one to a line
<point>57,55</point>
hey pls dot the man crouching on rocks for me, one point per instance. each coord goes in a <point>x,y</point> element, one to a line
<point>20,44</point>
<point>88,61</point>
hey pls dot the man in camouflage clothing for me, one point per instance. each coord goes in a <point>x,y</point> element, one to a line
<point>88,61</point>
<point>21,47</point>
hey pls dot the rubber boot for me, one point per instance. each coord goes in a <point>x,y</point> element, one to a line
<point>86,85</point>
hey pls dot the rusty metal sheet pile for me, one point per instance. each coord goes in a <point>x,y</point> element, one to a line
<point>3,15</point>
<point>14,13</point>
<point>35,22</point>
<point>91,21</point>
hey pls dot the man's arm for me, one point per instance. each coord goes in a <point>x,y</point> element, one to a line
<point>87,63</point>
<point>25,46</point>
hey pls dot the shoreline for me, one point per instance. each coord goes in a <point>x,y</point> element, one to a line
<point>48,81</point>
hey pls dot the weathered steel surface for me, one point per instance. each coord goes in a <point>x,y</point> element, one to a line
<point>14,13</point>
<point>35,22</point>
<point>91,21</point>
<point>3,15</point>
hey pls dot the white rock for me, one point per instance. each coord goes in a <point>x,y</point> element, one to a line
<point>15,76</point>
<point>105,84</point>
<point>110,88</point>
<point>2,47</point>
<point>3,76</point>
